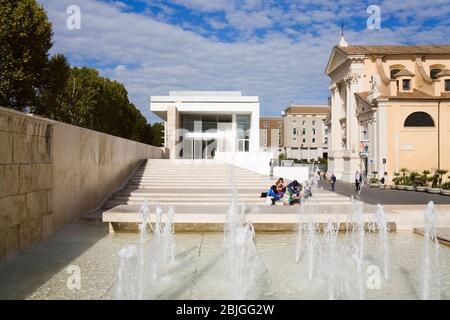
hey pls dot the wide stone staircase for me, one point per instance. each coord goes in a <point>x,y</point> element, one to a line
<point>200,191</point>
<point>178,182</point>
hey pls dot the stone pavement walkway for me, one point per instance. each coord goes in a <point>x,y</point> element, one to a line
<point>388,196</point>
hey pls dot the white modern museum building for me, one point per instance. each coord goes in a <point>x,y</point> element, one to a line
<point>200,124</point>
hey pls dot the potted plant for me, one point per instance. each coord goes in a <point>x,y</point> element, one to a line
<point>445,188</point>
<point>402,179</point>
<point>395,180</point>
<point>441,173</point>
<point>422,181</point>
<point>374,182</point>
<point>434,179</point>
<point>411,181</point>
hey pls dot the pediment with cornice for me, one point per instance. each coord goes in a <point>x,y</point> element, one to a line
<point>337,59</point>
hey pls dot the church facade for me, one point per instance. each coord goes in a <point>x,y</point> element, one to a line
<point>389,109</point>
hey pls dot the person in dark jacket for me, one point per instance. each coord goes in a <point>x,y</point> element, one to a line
<point>274,195</point>
<point>333,181</point>
<point>293,190</point>
<point>358,181</point>
<point>271,164</point>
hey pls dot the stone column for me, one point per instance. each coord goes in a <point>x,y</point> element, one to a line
<point>336,134</point>
<point>171,128</point>
<point>254,129</point>
<point>353,124</point>
<point>233,142</point>
<point>350,115</point>
<point>336,164</point>
<point>381,142</point>
<point>372,144</point>
<point>352,157</point>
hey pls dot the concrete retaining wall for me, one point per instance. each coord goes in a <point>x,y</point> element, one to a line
<point>53,173</point>
<point>258,162</point>
<point>300,174</point>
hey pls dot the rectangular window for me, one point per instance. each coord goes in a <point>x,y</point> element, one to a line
<point>294,131</point>
<point>225,118</point>
<point>243,132</point>
<point>304,122</point>
<point>304,140</point>
<point>191,123</point>
<point>209,123</point>
<point>265,124</point>
<point>304,131</point>
<point>447,85</point>
<point>313,140</point>
<point>243,126</point>
<point>313,123</point>
<point>314,131</point>
<point>406,84</point>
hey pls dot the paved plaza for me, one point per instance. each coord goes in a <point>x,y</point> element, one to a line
<point>386,197</point>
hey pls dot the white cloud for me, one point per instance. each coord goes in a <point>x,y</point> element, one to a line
<point>120,69</point>
<point>151,57</point>
<point>208,6</point>
<point>120,5</point>
<point>216,24</point>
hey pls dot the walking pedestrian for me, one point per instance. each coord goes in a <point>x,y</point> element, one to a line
<point>384,180</point>
<point>332,181</point>
<point>271,163</point>
<point>358,181</point>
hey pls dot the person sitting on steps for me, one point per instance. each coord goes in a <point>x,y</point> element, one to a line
<point>292,194</point>
<point>274,195</point>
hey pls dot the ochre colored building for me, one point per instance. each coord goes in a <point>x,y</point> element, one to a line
<point>305,133</point>
<point>271,133</point>
<point>390,109</point>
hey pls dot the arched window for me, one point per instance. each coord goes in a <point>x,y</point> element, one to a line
<point>394,69</point>
<point>419,119</point>
<point>394,72</point>
<point>434,72</point>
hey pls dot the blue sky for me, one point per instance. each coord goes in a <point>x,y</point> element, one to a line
<point>270,48</point>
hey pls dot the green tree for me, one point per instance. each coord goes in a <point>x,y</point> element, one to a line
<point>30,81</point>
<point>100,104</point>
<point>158,134</point>
<point>56,77</point>
<point>112,112</point>
<point>25,39</point>
<point>81,96</point>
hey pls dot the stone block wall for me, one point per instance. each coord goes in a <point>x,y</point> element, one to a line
<point>88,165</point>
<point>26,181</point>
<point>52,173</point>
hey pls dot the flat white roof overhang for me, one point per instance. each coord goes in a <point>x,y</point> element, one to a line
<point>211,135</point>
<point>204,105</point>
